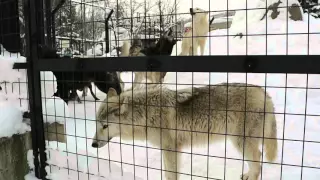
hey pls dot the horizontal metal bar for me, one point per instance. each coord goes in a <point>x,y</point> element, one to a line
<point>20,66</point>
<point>255,64</point>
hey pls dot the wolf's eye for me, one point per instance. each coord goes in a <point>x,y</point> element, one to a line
<point>116,113</point>
<point>105,126</point>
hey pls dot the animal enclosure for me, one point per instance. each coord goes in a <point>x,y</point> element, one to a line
<point>169,89</point>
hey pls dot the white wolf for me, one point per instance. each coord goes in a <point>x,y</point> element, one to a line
<point>165,118</point>
<point>196,36</point>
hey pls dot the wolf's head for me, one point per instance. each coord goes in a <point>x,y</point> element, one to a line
<point>121,115</point>
<point>112,113</point>
<point>164,45</point>
<point>166,42</point>
<point>198,13</point>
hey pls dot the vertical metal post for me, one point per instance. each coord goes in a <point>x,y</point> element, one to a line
<point>37,128</point>
<point>49,22</point>
<point>40,20</point>
<point>53,32</point>
<point>107,31</point>
<point>107,35</point>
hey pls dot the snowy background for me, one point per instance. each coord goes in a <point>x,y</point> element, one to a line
<point>297,109</point>
<point>134,160</point>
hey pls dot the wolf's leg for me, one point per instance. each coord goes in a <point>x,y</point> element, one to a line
<point>190,51</point>
<point>138,76</point>
<point>78,98</point>
<point>184,48</point>
<point>202,43</point>
<point>252,155</point>
<point>85,91</point>
<point>73,95</point>
<point>170,156</point>
<point>93,95</point>
<point>195,45</point>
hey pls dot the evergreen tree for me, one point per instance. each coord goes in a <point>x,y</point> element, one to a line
<point>67,22</point>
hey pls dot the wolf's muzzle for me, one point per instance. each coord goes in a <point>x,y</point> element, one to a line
<point>95,145</point>
<point>191,11</point>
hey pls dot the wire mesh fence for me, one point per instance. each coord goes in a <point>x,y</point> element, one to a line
<point>171,89</point>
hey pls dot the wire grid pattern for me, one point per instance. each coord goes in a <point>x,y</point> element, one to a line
<point>15,87</point>
<point>87,36</point>
<point>283,139</point>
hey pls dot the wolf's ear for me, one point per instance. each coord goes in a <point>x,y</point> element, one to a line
<point>124,105</point>
<point>210,22</point>
<point>186,95</point>
<point>112,92</point>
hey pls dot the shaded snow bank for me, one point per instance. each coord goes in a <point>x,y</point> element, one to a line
<point>283,38</point>
<point>72,167</point>
<point>11,120</point>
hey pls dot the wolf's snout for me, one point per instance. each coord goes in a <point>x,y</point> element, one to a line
<point>95,145</point>
<point>191,10</point>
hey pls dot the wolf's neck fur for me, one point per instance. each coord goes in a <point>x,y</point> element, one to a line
<point>125,48</point>
<point>153,94</point>
<point>201,22</point>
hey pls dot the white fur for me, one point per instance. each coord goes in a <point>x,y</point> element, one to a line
<point>196,37</point>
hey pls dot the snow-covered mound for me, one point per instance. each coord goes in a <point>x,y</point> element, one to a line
<point>54,110</point>
<point>283,38</point>
<point>255,15</point>
<point>11,120</point>
<point>95,51</point>
<point>65,166</point>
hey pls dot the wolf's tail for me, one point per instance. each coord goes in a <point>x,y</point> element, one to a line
<point>271,145</point>
<point>125,48</point>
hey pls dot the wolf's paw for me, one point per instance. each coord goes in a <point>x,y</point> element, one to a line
<point>244,177</point>
<point>248,176</point>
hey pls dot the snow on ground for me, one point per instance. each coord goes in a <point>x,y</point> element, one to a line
<point>54,110</point>
<point>95,51</point>
<point>278,41</point>
<point>256,10</point>
<point>65,164</point>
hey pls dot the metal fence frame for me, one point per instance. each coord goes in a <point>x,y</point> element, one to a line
<point>298,64</point>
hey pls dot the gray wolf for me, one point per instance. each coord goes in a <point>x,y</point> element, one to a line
<point>164,46</point>
<point>165,118</point>
<point>70,81</point>
<point>196,36</point>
